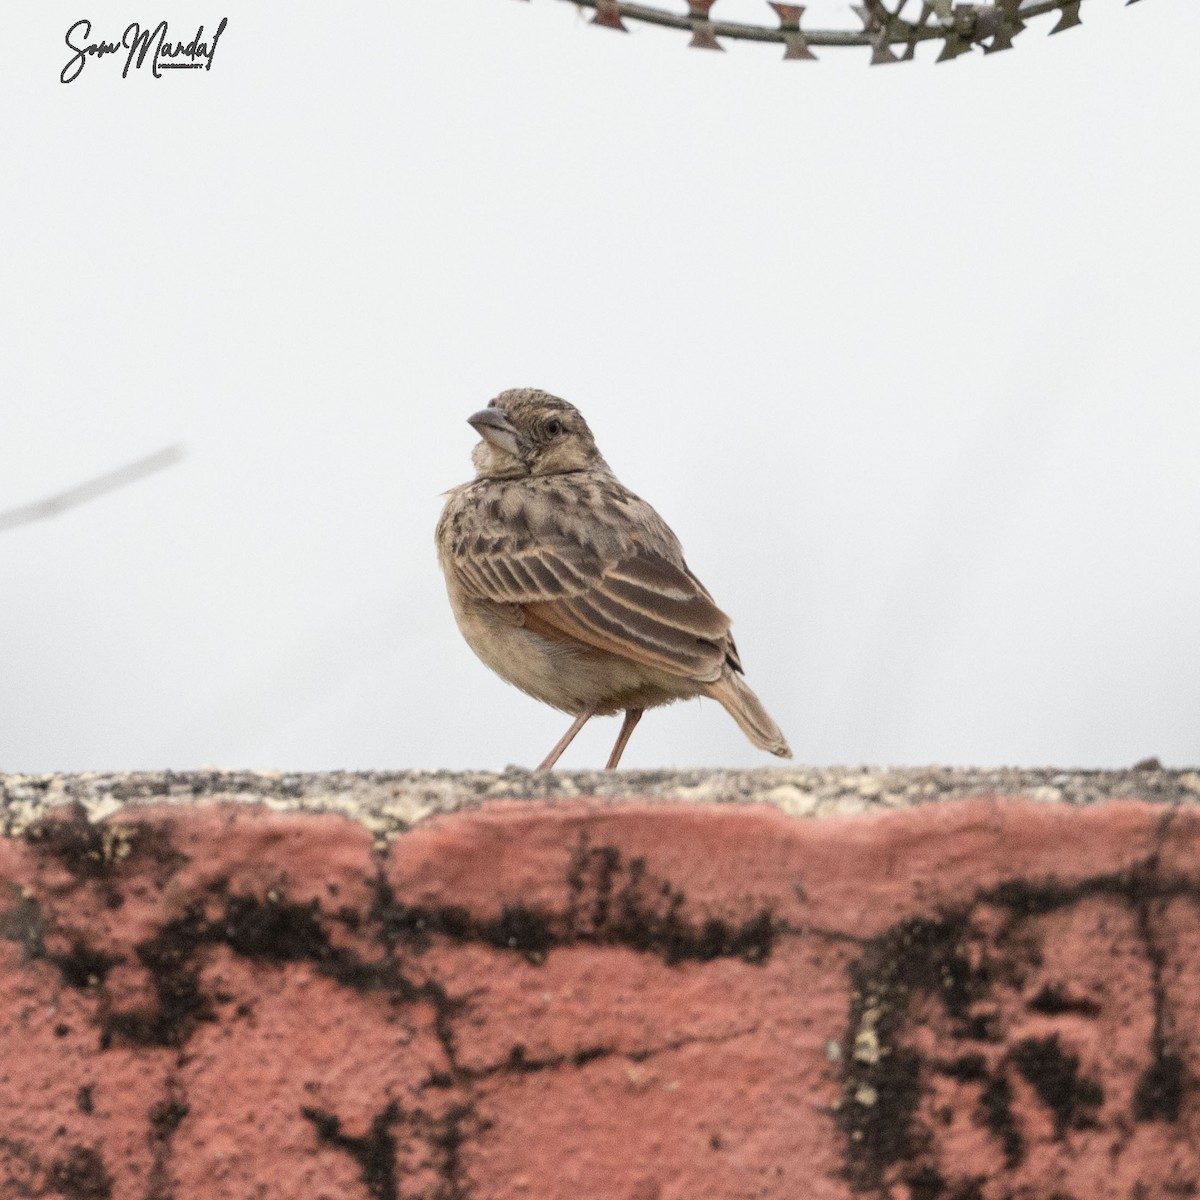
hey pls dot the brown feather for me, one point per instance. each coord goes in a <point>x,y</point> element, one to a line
<point>675,649</point>
<point>638,583</point>
<point>643,608</point>
<point>638,604</point>
<point>735,696</point>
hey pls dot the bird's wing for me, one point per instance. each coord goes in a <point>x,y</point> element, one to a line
<point>646,609</point>
<point>632,601</point>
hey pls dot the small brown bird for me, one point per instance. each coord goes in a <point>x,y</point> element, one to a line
<point>574,589</point>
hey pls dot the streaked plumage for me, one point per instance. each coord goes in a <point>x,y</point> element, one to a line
<point>574,589</point>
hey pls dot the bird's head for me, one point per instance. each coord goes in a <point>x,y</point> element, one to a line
<point>529,432</point>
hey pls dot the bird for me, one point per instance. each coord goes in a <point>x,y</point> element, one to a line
<point>573,589</point>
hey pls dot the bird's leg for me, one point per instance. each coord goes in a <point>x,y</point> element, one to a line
<point>566,739</point>
<point>632,717</point>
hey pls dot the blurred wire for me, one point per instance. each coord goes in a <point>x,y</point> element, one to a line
<point>961,25</point>
<point>83,492</point>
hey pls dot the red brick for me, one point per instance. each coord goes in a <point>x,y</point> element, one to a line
<point>987,998</point>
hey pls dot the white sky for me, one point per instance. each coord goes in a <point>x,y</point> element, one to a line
<point>907,357</point>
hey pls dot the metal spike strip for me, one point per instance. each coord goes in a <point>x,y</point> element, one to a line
<point>879,26</point>
<point>703,37</point>
<point>928,13</point>
<point>789,25</point>
<point>608,14</point>
<point>1069,17</point>
<point>990,25</point>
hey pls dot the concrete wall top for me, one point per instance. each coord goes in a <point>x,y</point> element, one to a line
<point>391,802</point>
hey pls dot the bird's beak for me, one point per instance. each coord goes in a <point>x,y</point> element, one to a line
<point>494,427</point>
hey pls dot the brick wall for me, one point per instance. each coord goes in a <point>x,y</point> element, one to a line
<point>923,985</point>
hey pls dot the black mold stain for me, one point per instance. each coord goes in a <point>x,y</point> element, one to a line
<point>448,1138</point>
<point>883,1086</point>
<point>610,904</point>
<point>613,903</point>
<point>180,1003</point>
<point>518,1061</point>
<point>375,1152</point>
<point>415,927</point>
<point>80,1174</point>
<point>378,1151</point>
<point>967,1068</point>
<point>1160,1091</point>
<point>103,851</point>
<point>82,967</point>
<point>881,1091</point>
<point>518,928</point>
<point>269,931</point>
<point>926,1184</point>
<point>1053,1001</point>
<point>164,1119</point>
<point>582,1057</point>
<point>1054,1074</point>
<point>995,1106</point>
<point>1182,1188</point>
<point>272,932</point>
<point>85,1099</point>
<point>72,840</point>
<point>971,1190</point>
<point>24,922</point>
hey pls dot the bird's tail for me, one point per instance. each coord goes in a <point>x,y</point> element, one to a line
<point>747,710</point>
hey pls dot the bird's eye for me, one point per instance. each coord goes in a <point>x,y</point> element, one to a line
<point>553,427</point>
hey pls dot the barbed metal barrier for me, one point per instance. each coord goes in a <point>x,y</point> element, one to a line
<point>891,28</point>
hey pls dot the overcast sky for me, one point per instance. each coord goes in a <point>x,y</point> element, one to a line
<point>906,356</point>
